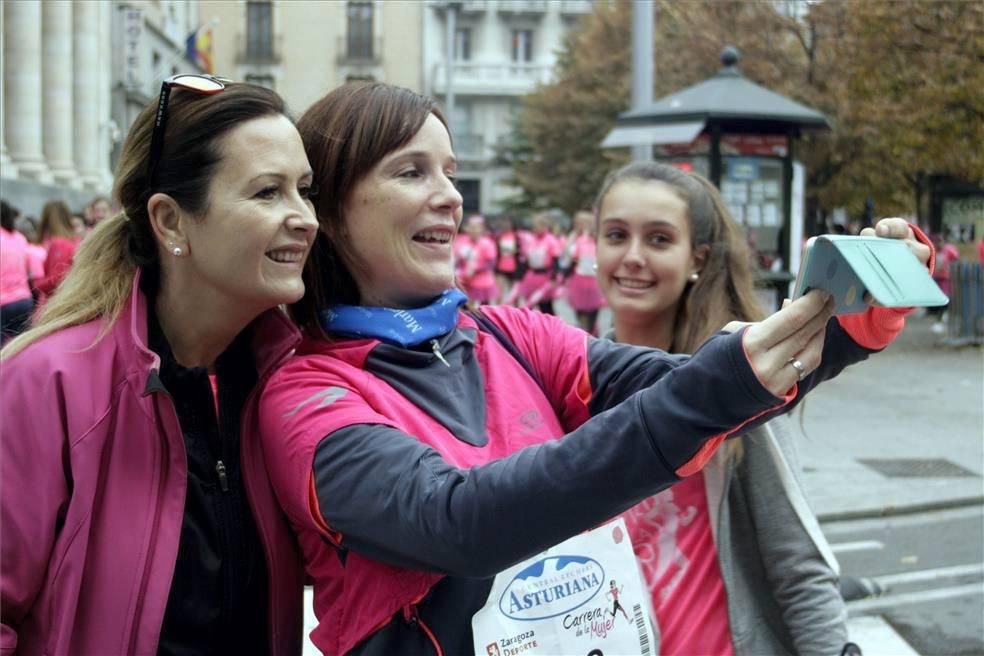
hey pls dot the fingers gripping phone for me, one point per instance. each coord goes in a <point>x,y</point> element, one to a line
<point>849,267</point>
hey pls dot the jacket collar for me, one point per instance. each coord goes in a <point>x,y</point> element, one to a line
<point>274,337</point>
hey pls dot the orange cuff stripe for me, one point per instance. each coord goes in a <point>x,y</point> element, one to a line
<point>584,392</point>
<point>333,536</point>
<point>923,239</point>
<point>876,327</point>
<point>695,464</point>
<point>709,447</point>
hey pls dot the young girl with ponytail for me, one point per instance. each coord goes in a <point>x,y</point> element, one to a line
<point>733,555</point>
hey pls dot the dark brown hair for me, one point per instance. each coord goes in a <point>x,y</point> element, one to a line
<point>345,135</point>
<point>191,151</point>
<point>101,276</point>
<point>8,216</point>
<point>725,290</point>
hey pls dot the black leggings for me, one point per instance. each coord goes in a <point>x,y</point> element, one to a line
<point>15,318</point>
<point>588,321</point>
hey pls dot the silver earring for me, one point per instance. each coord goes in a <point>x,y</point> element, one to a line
<point>694,277</point>
<point>177,251</point>
<point>594,267</point>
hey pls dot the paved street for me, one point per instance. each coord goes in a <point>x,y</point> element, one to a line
<point>893,457</point>
<point>932,565</point>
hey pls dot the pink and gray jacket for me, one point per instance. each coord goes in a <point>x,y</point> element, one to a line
<point>412,482</point>
<point>92,493</point>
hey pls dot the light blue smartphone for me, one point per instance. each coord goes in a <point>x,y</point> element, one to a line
<point>849,267</point>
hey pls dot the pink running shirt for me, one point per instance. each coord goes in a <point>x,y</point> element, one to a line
<point>671,534</point>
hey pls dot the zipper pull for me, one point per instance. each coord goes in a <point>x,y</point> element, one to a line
<point>220,469</point>
<point>437,351</point>
<point>410,616</point>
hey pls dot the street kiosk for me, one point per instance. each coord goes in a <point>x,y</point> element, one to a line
<point>739,135</point>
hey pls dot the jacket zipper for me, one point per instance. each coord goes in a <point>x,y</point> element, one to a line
<point>437,351</point>
<point>220,469</point>
<point>262,528</point>
<point>161,485</point>
<point>412,618</point>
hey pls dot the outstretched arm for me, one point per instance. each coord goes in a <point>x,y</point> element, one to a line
<point>372,487</point>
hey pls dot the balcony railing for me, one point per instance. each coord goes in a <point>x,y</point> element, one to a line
<point>469,147</point>
<point>359,51</point>
<point>511,78</point>
<point>462,6</point>
<point>519,7</point>
<point>574,7</point>
<point>473,6</point>
<point>254,52</point>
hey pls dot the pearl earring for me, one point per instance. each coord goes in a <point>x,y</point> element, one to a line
<point>594,267</point>
<point>694,276</point>
<point>177,251</point>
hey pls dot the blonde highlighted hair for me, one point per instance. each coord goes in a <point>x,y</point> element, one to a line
<point>101,278</point>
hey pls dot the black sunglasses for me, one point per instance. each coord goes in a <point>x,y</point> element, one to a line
<point>203,84</point>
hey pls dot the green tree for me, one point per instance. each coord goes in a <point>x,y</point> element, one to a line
<point>563,123</point>
<point>904,83</point>
<point>900,80</point>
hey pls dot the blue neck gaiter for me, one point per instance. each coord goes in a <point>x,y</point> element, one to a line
<point>394,326</point>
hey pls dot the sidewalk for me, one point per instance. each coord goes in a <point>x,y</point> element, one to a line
<point>876,638</point>
<point>916,406</point>
<point>915,412</point>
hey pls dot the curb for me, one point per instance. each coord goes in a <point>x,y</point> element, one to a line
<point>894,511</point>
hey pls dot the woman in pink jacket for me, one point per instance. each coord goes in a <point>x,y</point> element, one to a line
<point>582,286</point>
<point>136,511</point>
<point>59,238</point>
<point>475,256</point>
<point>16,302</point>
<point>542,250</point>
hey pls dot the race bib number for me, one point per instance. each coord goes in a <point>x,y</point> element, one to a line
<point>582,597</point>
<point>537,258</point>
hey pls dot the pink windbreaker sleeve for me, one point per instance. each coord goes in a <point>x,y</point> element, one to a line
<point>33,489</point>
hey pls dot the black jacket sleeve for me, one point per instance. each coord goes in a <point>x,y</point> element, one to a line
<point>397,500</point>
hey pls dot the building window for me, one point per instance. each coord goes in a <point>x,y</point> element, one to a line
<point>261,80</point>
<point>471,195</point>
<point>462,44</point>
<point>259,30</point>
<point>359,35</point>
<point>461,119</point>
<point>522,45</point>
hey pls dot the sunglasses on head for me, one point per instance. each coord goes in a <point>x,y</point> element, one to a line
<point>203,84</point>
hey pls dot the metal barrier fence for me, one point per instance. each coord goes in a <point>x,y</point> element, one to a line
<point>966,310</point>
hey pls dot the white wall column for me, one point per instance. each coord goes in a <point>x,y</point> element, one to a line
<point>491,38</point>
<point>7,168</point>
<point>22,88</point>
<point>56,69</point>
<point>109,131</point>
<point>85,88</point>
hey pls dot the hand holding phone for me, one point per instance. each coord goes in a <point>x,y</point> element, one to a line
<point>850,267</point>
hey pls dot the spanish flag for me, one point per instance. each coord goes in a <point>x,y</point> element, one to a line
<point>198,48</point>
